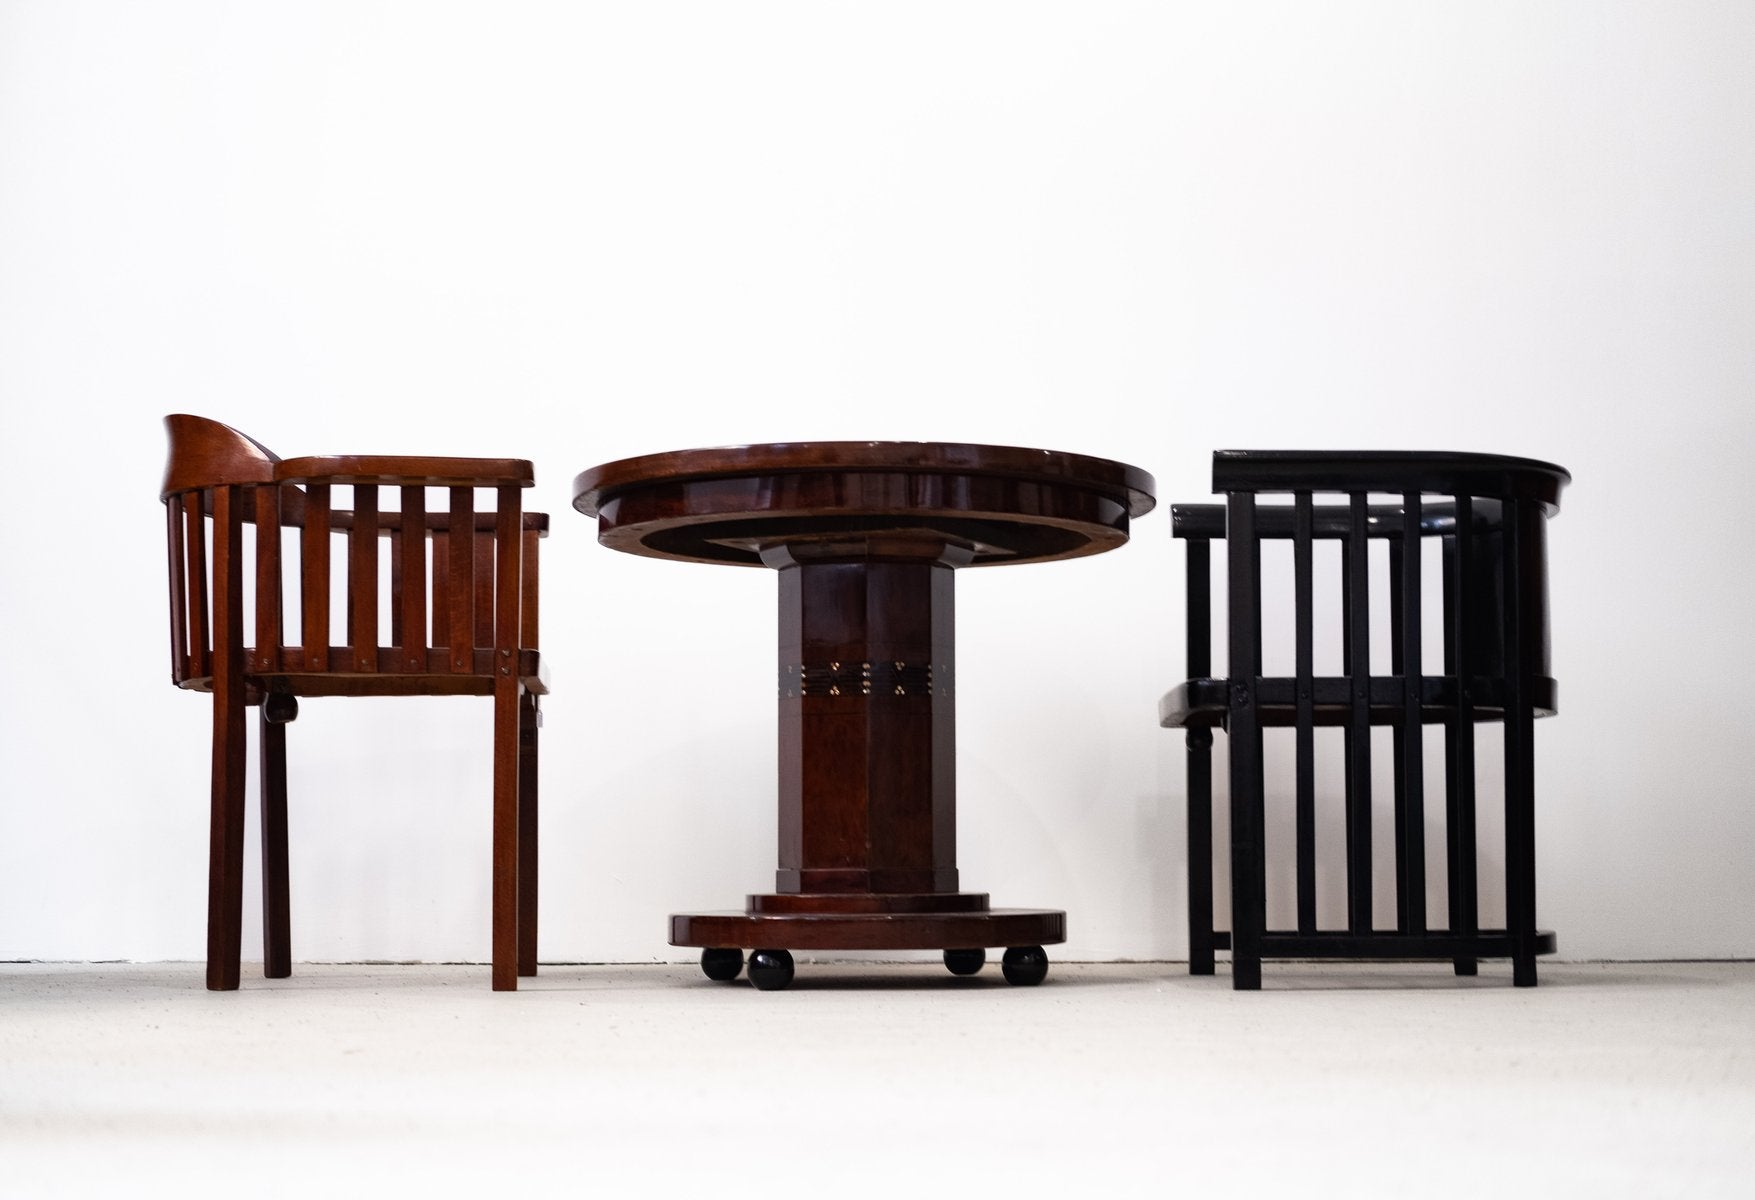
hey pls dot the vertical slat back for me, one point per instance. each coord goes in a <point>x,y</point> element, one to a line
<point>314,577</point>
<point>362,577</point>
<point>268,602</point>
<point>460,586</point>
<point>179,597</point>
<point>195,560</point>
<point>411,585</point>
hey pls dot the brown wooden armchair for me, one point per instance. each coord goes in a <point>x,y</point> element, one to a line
<point>463,621</point>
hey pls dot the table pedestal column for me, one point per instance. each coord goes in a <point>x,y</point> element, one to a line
<point>868,811</point>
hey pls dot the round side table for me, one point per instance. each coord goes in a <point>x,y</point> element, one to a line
<point>865,537</point>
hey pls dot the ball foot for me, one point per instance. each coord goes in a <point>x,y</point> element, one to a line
<point>965,962</point>
<point>770,970</point>
<point>1024,966</point>
<point>720,964</point>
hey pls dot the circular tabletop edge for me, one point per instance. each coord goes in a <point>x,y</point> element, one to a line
<point>596,484</point>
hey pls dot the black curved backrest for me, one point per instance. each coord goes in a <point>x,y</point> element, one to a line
<point>1435,486</point>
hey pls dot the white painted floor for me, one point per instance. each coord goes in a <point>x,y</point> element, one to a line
<point>867,1079</point>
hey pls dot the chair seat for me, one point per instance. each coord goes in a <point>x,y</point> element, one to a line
<point>533,673</point>
<point>1204,703</point>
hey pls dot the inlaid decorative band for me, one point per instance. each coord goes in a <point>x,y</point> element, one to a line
<point>864,679</point>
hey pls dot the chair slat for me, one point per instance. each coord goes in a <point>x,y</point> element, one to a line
<point>441,593</point>
<point>179,602</point>
<point>1357,615</point>
<point>484,587</point>
<point>1305,722</point>
<point>268,601</point>
<point>395,551</point>
<point>531,619</point>
<point>195,559</point>
<point>1200,612</point>
<point>460,586</point>
<point>1411,805</point>
<point>228,581</point>
<point>508,548</point>
<point>1398,733</point>
<point>314,578</point>
<point>411,588</point>
<point>362,577</point>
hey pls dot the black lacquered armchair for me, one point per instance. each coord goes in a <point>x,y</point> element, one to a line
<point>1489,514</point>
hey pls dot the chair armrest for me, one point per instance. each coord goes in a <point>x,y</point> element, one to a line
<point>1439,472</point>
<point>407,472</point>
<point>438,521</point>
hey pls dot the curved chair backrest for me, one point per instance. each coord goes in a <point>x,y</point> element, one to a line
<point>1439,493</point>
<point>204,454</point>
<point>456,612</point>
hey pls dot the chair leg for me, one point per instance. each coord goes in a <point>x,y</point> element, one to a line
<point>277,710</point>
<point>529,723</point>
<point>225,850</point>
<point>1248,851</point>
<point>507,692</point>
<point>1200,851</point>
<point>1245,972</point>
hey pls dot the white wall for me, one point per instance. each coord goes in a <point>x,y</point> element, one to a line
<point>579,232</point>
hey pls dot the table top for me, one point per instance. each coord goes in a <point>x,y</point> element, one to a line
<point>1001,504</point>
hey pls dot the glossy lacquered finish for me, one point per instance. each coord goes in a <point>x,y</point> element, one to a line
<point>866,537</point>
<point>1488,515</point>
<point>980,504</point>
<point>462,607</point>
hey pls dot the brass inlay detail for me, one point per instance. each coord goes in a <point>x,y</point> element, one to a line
<point>895,678</point>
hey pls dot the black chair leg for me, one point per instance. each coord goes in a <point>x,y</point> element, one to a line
<point>1200,851</point>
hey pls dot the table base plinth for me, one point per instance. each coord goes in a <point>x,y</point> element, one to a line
<point>870,930</point>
